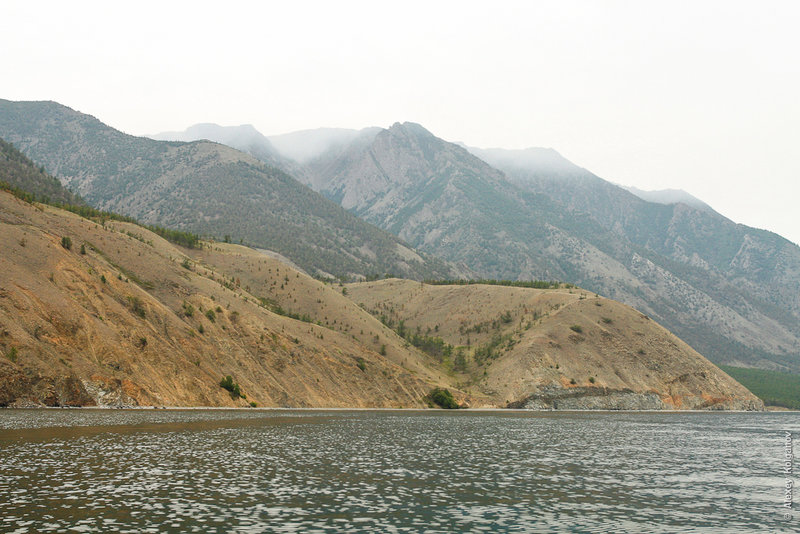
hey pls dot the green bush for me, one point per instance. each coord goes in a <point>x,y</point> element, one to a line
<point>361,363</point>
<point>211,315</point>
<point>228,384</point>
<point>443,398</point>
<point>66,242</point>
<point>576,328</point>
<point>136,306</point>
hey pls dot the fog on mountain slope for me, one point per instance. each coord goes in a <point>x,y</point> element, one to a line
<point>306,145</point>
<point>669,196</point>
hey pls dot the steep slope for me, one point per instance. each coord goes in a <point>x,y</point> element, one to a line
<point>749,277</point>
<point>557,348</point>
<point>206,188</point>
<point>560,222</point>
<point>122,317</point>
<point>17,171</point>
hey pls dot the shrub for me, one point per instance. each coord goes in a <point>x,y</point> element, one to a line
<point>576,328</point>
<point>443,398</point>
<point>607,320</point>
<point>361,363</point>
<point>12,354</point>
<point>66,242</point>
<point>228,384</point>
<point>83,248</point>
<point>211,315</point>
<point>591,379</point>
<point>136,306</point>
<point>383,350</point>
<point>460,361</point>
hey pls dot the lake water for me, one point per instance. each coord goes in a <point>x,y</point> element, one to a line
<point>392,471</point>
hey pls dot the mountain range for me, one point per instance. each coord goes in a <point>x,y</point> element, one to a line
<point>207,188</point>
<point>732,292</point>
<point>96,309</point>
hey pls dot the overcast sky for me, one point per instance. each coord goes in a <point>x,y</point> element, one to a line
<point>700,96</point>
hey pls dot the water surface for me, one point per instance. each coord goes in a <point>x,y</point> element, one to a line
<point>392,471</point>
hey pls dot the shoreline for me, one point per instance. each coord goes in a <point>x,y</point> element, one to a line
<point>768,409</point>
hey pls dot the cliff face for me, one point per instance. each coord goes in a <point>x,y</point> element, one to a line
<point>562,348</point>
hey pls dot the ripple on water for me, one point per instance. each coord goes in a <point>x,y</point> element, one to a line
<point>288,471</point>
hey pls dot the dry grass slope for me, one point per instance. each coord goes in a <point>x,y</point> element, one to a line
<point>555,348</point>
<point>127,323</point>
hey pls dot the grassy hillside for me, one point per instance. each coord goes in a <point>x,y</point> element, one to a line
<point>104,311</point>
<point>511,343</point>
<point>773,387</point>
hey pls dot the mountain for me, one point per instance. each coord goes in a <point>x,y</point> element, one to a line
<point>20,172</point>
<point>244,138</point>
<point>99,311</point>
<point>669,196</point>
<point>558,348</point>
<point>206,188</point>
<point>746,303</point>
<point>123,317</point>
<point>730,291</point>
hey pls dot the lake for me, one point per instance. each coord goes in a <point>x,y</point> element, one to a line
<point>392,471</point>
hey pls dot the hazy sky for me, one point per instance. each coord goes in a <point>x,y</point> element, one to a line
<point>701,96</point>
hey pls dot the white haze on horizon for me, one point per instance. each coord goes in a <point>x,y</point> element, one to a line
<point>698,96</point>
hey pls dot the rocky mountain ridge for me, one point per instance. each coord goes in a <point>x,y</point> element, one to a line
<point>731,291</point>
<point>207,188</point>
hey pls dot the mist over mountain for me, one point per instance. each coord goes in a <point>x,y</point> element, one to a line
<point>245,138</point>
<point>669,196</point>
<point>306,145</point>
<point>207,188</point>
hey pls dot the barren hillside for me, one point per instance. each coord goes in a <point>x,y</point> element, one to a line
<point>123,317</point>
<point>563,348</point>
